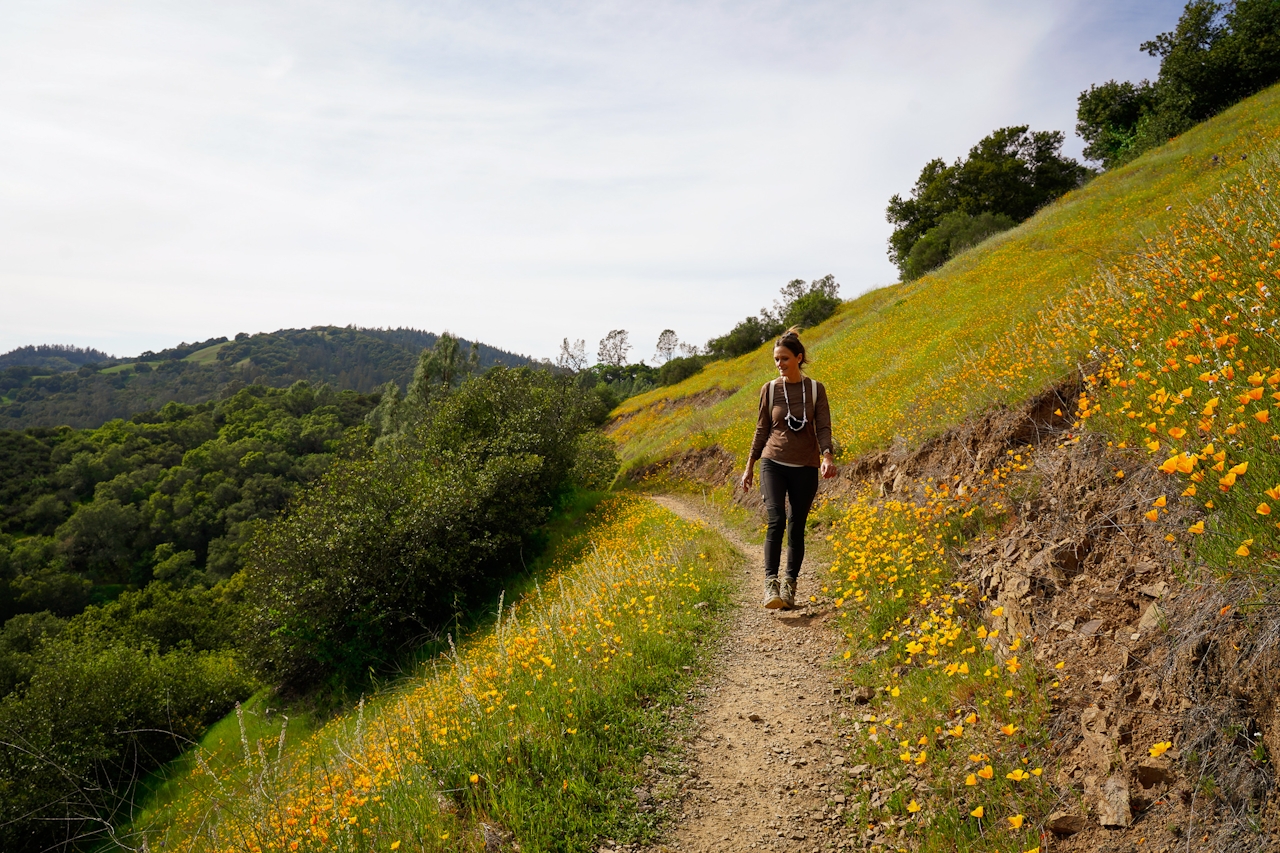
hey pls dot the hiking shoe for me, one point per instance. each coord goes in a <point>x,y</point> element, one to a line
<point>788,592</point>
<point>772,599</point>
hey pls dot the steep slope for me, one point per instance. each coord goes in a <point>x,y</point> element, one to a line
<point>1054,556</point>
<point>531,734</point>
<point>885,355</point>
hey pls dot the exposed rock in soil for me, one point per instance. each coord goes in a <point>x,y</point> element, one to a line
<point>1155,771</point>
<point>1113,805</point>
<point>1147,657</point>
<point>1065,823</point>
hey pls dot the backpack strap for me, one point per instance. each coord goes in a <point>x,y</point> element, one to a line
<point>813,421</point>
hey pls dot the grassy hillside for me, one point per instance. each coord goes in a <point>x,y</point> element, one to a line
<point>969,583</point>
<point>540,724</point>
<point>886,356</point>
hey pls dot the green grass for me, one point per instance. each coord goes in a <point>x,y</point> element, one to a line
<point>181,780</point>
<point>546,739</point>
<point>884,352</point>
<point>931,724</point>
<point>208,355</point>
<point>1066,289</point>
<point>880,355</point>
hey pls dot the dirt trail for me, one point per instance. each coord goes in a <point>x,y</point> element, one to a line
<point>764,769</point>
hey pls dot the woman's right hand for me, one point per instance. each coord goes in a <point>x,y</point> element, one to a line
<point>748,476</point>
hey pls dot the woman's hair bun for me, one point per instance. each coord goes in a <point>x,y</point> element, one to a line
<point>791,340</point>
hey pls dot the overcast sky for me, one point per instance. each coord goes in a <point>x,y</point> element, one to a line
<point>516,173</point>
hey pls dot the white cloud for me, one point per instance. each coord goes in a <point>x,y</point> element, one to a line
<point>513,172</point>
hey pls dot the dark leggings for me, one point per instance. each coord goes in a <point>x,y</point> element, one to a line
<point>799,486</point>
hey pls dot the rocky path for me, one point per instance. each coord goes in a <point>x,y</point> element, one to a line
<point>764,769</point>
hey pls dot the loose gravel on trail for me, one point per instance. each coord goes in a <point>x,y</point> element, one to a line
<point>763,770</point>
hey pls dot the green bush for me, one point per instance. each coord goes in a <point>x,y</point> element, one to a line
<point>623,389</point>
<point>170,495</point>
<point>802,304</point>
<point>166,618</point>
<point>595,462</point>
<point>745,337</point>
<point>954,233</point>
<point>20,641</point>
<point>49,589</point>
<point>391,546</point>
<point>680,369</point>
<point>808,305</point>
<point>1013,171</point>
<point>93,717</point>
<point>94,702</point>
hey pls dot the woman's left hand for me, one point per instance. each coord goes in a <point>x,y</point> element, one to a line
<point>828,467</point>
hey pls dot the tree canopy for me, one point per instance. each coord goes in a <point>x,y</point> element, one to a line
<point>801,305</point>
<point>52,386</point>
<point>128,626</point>
<point>1216,55</point>
<point>1011,173</point>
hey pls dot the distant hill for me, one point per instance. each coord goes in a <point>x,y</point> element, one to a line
<point>51,386</point>
<point>53,358</point>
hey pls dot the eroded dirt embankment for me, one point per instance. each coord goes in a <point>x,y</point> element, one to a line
<point>1153,648</point>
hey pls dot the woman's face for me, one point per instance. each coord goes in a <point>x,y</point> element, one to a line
<point>788,363</point>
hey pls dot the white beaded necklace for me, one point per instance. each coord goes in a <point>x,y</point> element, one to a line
<point>793,423</point>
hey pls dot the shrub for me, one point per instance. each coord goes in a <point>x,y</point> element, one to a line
<point>95,702</point>
<point>622,389</point>
<point>91,719</point>
<point>595,461</point>
<point>1107,117</point>
<point>1013,171</point>
<point>48,589</point>
<point>802,305</point>
<point>1217,55</point>
<point>391,546</point>
<point>808,305</point>
<point>953,234</point>
<point>20,641</point>
<point>680,369</point>
<point>745,337</point>
<point>166,618</point>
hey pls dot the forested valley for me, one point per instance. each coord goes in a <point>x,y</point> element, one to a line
<point>156,570</point>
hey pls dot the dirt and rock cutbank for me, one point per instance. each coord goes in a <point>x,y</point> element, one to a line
<point>1153,648</point>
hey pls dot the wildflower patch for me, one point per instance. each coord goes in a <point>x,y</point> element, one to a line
<point>955,734</point>
<point>536,728</point>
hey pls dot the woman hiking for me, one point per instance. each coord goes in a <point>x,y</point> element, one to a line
<point>793,444</point>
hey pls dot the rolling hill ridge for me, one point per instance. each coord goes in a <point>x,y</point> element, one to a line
<point>53,386</point>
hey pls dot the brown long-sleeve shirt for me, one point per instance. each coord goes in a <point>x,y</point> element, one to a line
<point>775,440</point>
